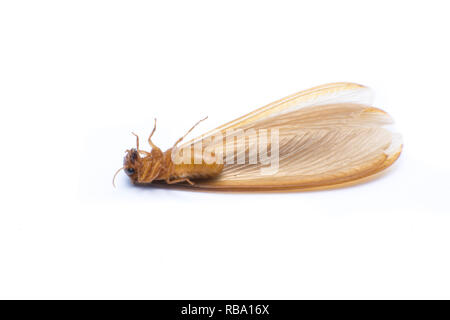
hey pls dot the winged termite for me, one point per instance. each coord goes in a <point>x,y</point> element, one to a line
<point>323,137</point>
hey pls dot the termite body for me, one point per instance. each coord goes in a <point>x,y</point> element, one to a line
<point>145,167</point>
<point>327,136</point>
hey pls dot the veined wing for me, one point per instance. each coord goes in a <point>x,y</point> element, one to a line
<point>327,136</point>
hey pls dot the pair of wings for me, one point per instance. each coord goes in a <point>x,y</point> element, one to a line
<point>329,135</point>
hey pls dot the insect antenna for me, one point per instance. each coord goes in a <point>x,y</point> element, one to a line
<point>114,178</point>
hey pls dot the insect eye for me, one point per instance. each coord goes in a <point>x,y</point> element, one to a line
<point>129,171</point>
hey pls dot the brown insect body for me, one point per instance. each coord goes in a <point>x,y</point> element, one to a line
<point>145,167</point>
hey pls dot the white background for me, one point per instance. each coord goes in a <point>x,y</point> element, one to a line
<point>76,77</point>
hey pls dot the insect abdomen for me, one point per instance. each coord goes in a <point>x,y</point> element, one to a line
<point>196,171</point>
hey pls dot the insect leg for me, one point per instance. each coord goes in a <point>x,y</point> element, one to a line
<point>150,137</point>
<point>179,140</point>
<point>137,145</point>
<point>145,152</point>
<point>137,140</point>
<point>168,181</point>
<point>150,173</point>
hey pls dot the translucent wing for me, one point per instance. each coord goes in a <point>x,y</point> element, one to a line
<point>327,136</point>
